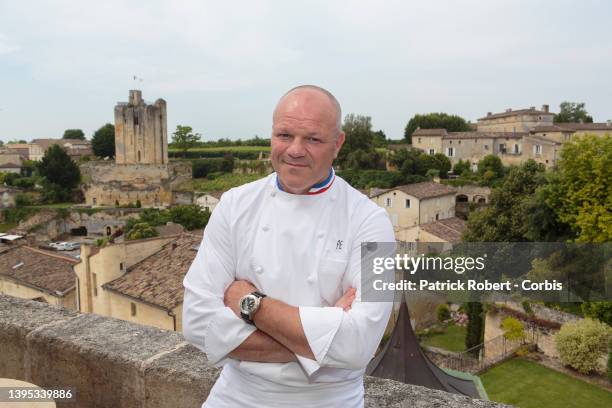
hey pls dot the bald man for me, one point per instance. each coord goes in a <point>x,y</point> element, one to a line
<point>274,293</point>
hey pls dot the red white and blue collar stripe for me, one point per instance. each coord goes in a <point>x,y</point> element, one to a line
<point>318,188</point>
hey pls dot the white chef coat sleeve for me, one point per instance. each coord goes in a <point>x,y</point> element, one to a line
<point>207,323</point>
<point>342,339</point>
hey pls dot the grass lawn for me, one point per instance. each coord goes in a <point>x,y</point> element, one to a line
<point>526,384</point>
<point>452,340</point>
<point>221,183</point>
<point>7,226</point>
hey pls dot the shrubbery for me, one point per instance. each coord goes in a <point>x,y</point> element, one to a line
<point>581,344</point>
<point>513,329</point>
<point>443,312</point>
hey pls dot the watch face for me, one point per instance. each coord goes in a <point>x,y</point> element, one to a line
<point>248,304</point>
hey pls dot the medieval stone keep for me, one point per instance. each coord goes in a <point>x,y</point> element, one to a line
<point>141,172</point>
<point>141,135</point>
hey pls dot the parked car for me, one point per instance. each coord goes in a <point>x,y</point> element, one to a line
<point>54,244</point>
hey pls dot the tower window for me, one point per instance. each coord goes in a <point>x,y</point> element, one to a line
<point>133,307</point>
<point>136,120</point>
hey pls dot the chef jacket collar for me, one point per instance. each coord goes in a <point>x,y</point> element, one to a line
<point>317,188</point>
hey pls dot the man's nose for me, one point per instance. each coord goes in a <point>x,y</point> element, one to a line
<point>296,149</point>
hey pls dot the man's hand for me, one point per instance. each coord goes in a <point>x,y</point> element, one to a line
<point>346,301</point>
<point>235,292</point>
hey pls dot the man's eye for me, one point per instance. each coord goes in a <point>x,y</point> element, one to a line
<point>283,136</point>
<point>314,140</point>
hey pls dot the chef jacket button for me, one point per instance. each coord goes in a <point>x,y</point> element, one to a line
<point>258,270</point>
<point>265,228</point>
<point>310,279</point>
<point>273,194</point>
<point>320,235</point>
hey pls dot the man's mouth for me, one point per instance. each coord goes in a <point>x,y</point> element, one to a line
<point>295,164</point>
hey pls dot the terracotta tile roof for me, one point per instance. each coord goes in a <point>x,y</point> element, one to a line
<point>426,189</point>
<point>450,229</point>
<point>551,128</point>
<point>158,279</point>
<point>485,135</point>
<point>44,270</point>
<point>170,229</point>
<point>530,111</point>
<point>542,139</point>
<point>429,132</point>
<point>47,143</point>
<point>572,127</point>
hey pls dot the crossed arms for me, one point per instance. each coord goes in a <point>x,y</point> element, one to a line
<point>280,335</point>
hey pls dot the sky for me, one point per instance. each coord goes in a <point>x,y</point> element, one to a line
<point>222,66</point>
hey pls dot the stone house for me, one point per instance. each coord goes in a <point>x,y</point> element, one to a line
<point>448,230</point>
<point>208,201</point>
<point>514,136</point>
<point>138,281</point>
<point>32,273</point>
<point>415,204</point>
<point>76,148</point>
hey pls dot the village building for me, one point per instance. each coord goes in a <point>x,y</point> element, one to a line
<point>138,281</point>
<point>514,136</point>
<point>35,274</point>
<point>141,172</point>
<point>208,201</point>
<point>415,204</point>
<point>449,230</point>
<point>76,148</point>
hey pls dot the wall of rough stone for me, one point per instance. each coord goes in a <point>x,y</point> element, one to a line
<point>106,184</point>
<point>114,363</point>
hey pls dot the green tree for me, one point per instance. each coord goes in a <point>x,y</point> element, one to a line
<point>103,141</point>
<point>475,326</point>
<point>490,168</point>
<point>462,167</point>
<point>379,139</point>
<point>74,134</point>
<point>358,151</point>
<point>601,311</point>
<point>513,329</point>
<point>183,138</point>
<point>190,216</point>
<point>60,173</point>
<point>581,344</point>
<point>581,197</point>
<point>436,120</point>
<point>141,230</point>
<point>572,112</point>
<point>504,219</point>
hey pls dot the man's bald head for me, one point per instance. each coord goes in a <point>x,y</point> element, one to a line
<point>334,104</point>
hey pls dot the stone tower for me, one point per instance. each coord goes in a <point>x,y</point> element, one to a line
<point>141,134</point>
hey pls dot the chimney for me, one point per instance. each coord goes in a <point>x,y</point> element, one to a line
<point>545,108</point>
<point>135,97</point>
<point>489,113</point>
<point>532,108</point>
<point>509,110</point>
<point>609,123</point>
<point>581,120</point>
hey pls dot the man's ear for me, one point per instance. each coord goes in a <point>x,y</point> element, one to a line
<point>339,143</point>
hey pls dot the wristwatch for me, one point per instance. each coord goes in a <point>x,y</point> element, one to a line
<point>249,304</point>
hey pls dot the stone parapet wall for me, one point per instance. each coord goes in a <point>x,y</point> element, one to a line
<point>114,363</point>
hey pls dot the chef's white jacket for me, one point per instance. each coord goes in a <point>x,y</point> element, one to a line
<point>305,251</point>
